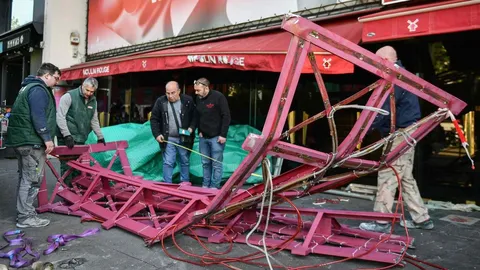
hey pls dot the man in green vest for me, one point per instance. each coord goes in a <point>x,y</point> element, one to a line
<point>30,133</point>
<point>76,117</point>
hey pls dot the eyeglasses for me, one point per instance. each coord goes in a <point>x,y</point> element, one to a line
<point>199,82</point>
<point>57,78</point>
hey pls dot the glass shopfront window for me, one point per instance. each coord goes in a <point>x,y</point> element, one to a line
<point>22,13</point>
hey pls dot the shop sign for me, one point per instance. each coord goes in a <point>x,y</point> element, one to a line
<point>217,59</point>
<point>96,71</point>
<point>388,2</point>
<point>16,40</point>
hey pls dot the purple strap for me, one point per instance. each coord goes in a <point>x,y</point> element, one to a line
<point>58,240</point>
<point>13,241</point>
<point>24,246</point>
<point>17,255</point>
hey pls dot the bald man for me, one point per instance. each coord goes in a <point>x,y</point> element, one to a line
<point>407,113</point>
<point>173,120</point>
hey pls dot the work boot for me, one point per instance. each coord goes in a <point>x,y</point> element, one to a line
<point>376,227</point>
<point>33,222</point>
<point>426,225</point>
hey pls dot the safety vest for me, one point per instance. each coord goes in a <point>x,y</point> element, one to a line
<point>80,114</point>
<point>21,130</point>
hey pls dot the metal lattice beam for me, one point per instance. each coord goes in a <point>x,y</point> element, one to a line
<point>156,211</point>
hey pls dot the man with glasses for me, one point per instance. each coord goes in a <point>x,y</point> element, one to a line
<point>77,116</point>
<point>173,120</point>
<point>213,121</point>
<point>31,130</point>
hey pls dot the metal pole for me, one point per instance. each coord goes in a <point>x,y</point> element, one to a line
<point>349,194</point>
<point>250,103</point>
<point>25,72</point>
<point>106,115</point>
<point>184,81</point>
<point>3,82</point>
<point>255,90</point>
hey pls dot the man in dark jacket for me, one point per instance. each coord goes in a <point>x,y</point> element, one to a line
<point>213,122</point>
<point>407,113</point>
<point>76,117</point>
<point>31,130</point>
<point>173,120</point>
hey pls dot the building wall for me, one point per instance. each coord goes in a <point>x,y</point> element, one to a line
<point>35,61</point>
<point>61,19</point>
<point>5,13</point>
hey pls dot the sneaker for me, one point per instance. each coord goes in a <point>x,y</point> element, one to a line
<point>410,224</point>
<point>213,188</point>
<point>204,187</point>
<point>376,227</point>
<point>33,222</point>
<point>185,183</point>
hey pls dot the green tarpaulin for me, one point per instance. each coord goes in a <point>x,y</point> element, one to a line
<point>146,160</point>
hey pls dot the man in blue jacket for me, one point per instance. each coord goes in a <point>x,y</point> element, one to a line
<point>407,113</point>
<point>31,130</point>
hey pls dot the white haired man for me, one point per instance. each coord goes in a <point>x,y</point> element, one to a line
<point>77,116</point>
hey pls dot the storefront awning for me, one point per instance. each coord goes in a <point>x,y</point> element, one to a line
<point>263,52</point>
<point>438,18</point>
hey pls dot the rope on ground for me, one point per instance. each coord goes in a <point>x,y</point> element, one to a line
<point>200,154</point>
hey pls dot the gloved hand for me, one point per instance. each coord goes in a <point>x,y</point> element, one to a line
<point>102,141</point>
<point>69,142</point>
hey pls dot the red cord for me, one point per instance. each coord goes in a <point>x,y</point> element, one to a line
<point>400,203</point>
<point>212,259</point>
<point>426,263</point>
<point>206,260</point>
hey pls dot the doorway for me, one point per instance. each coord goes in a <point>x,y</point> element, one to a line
<point>14,77</point>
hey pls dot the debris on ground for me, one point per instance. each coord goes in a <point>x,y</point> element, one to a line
<point>431,204</point>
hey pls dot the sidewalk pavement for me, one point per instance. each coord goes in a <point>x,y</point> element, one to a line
<point>453,246</point>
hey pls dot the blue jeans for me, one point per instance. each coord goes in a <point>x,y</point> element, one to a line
<point>170,159</point>
<point>213,149</point>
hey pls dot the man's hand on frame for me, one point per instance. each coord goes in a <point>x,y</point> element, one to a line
<point>69,142</point>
